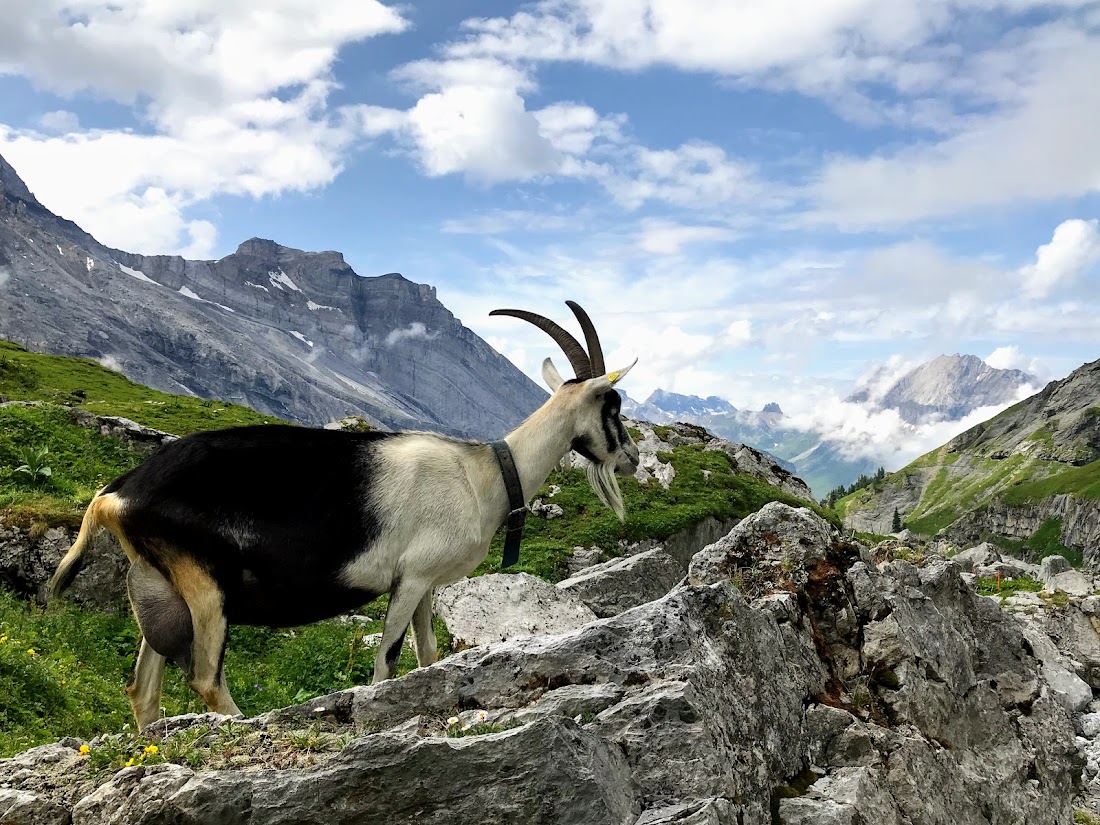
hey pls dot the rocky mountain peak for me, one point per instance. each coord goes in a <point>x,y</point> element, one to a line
<point>948,387</point>
<point>12,186</point>
<point>678,404</point>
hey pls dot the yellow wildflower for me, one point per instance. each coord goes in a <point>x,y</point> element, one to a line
<point>3,638</point>
<point>151,749</point>
<point>31,651</point>
<point>130,762</point>
<point>84,750</point>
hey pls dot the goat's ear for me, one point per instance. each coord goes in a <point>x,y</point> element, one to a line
<point>618,375</point>
<point>551,375</point>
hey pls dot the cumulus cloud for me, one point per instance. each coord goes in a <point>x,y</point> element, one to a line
<point>235,99</point>
<point>861,431</point>
<point>1074,248</point>
<point>1012,358</point>
<point>471,118</point>
<point>111,362</point>
<point>997,157</point>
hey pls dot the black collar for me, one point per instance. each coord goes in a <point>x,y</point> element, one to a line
<point>516,506</point>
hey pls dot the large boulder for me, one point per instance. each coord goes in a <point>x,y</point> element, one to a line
<point>617,585</point>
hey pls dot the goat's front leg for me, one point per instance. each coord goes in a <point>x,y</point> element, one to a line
<point>423,633</point>
<point>404,599</point>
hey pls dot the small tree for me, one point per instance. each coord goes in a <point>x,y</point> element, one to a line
<point>896,526</point>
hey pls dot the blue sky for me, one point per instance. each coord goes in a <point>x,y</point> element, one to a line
<point>761,200</point>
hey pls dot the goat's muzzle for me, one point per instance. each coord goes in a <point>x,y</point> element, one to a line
<point>627,462</point>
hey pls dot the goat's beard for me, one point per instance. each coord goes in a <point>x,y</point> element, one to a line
<point>606,486</point>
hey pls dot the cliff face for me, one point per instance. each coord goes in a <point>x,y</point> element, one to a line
<point>291,333</point>
<point>1037,460</point>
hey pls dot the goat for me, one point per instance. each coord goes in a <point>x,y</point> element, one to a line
<point>280,526</point>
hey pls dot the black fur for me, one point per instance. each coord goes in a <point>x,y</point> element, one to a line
<point>614,433</point>
<point>272,513</point>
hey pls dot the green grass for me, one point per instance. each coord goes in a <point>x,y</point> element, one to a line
<point>80,382</point>
<point>72,683</point>
<point>81,459</point>
<point>651,511</point>
<point>1045,541</point>
<point>991,586</point>
<point>1081,481</point>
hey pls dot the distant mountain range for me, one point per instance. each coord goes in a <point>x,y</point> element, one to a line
<point>295,334</point>
<point>947,388</point>
<point>1030,474</point>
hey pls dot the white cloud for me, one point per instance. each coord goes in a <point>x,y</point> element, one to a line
<point>411,332</point>
<point>1012,358</point>
<point>694,175</point>
<point>1074,248</point>
<point>60,121</point>
<point>235,96</point>
<point>663,237</point>
<point>860,431</point>
<point>485,133</point>
<point>111,362</point>
<point>1037,146</point>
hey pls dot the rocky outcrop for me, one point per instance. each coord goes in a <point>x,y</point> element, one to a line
<point>295,334</point>
<point>658,440</point>
<point>29,556</point>
<point>499,606</point>
<point>792,679</point>
<point>620,584</point>
<point>1080,519</point>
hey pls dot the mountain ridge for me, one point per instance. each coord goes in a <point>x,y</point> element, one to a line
<point>287,332</point>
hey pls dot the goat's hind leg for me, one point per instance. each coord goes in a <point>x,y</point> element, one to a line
<point>204,599</point>
<point>165,624</point>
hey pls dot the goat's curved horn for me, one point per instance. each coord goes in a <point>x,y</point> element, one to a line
<point>595,351</point>
<point>578,358</point>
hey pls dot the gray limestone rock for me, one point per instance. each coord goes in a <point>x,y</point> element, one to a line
<point>295,334</point>
<point>549,771</point>
<point>982,554</point>
<point>503,606</point>
<point>619,584</point>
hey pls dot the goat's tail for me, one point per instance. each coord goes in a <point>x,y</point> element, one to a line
<point>74,560</point>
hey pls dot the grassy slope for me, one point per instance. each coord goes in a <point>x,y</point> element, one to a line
<point>82,460</point>
<point>71,683</point>
<point>31,376</point>
<point>1018,479</point>
<point>959,482</point>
